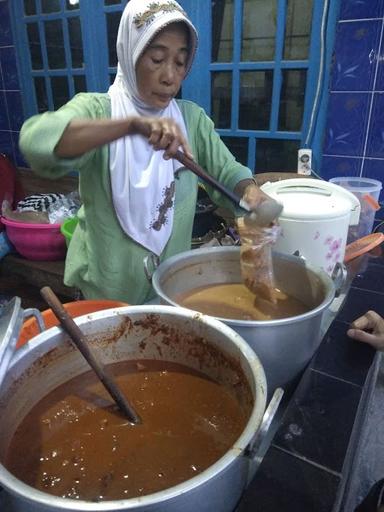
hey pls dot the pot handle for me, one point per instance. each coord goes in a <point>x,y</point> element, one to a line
<point>38,317</point>
<point>254,452</point>
<point>12,319</point>
<point>150,262</point>
<point>339,277</point>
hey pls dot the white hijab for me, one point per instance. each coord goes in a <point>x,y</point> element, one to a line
<point>142,181</point>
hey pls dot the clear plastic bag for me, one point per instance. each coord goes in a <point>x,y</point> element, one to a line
<point>43,208</point>
<point>256,258</point>
<point>64,208</point>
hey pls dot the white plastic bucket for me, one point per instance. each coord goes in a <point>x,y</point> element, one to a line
<point>365,189</point>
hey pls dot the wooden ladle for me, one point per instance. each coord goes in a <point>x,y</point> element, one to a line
<point>79,339</point>
<point>266,213</point>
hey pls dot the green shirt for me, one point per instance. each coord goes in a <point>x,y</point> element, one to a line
<point>102,261</point>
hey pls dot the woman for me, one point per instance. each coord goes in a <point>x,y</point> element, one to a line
<point>136,198</point>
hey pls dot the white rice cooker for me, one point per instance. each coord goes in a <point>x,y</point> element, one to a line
<point>315,219</point>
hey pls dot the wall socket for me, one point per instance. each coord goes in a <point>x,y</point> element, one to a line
<point>304,161</point>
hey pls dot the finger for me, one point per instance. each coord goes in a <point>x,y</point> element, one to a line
<point>361,323</point>
<point>376,321</point>
<point>171,149</point>
<point>166,140</point>
<point>372,339</point>
<point>155,133</point>
<point>168,132</point>
<point>370,320</point>
<point>178,141</point>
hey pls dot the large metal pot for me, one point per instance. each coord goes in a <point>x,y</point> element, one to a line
<point>138,332</point>
<point>284,346</point>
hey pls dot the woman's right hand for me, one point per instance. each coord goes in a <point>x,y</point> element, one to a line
<point>82,135</point>
<point>162,133</point>
<point>368,328</point>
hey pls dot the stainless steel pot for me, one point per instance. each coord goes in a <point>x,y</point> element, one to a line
<point>139,332</point>
<point>284,346</point>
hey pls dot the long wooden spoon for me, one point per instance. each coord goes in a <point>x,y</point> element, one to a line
<point>266,213</point>
<point>80,342</point>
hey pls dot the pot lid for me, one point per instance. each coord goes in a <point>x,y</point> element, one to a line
<point>362,245</point>
<point>312,199</point>
<point>11,318</point>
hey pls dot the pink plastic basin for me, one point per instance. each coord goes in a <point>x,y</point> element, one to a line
<point>36,241</point>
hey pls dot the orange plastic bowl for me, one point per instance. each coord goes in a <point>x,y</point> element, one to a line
<point>30,327</point>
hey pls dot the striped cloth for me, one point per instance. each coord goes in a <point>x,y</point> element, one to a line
<point>38,202</point>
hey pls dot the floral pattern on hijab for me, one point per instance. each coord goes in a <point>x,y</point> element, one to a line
<point>153,8</point>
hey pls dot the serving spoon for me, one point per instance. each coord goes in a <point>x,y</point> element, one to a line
<point>80,341</point>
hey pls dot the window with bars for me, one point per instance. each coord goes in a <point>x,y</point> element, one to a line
<point>256,72</point>
<point>71,47</point>
<point>261,66</point>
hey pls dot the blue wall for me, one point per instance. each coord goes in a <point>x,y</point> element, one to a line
<point>354,135</point>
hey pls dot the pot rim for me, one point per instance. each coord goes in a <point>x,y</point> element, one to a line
<point>325,278</point>
<point>19,488</point>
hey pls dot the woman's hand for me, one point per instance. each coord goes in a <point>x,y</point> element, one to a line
<point>265,207</point>
<point>254,196</point>
<point>371,322</point>
<point>162,133</point>
<point>82,135</point>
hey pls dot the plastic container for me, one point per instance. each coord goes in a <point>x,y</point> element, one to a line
<point>367,190</point>
<point>68,227</point>
<point>78,308</point>
<point>36,241</point>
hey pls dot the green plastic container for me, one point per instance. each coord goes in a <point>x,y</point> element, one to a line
<point>68,227</point>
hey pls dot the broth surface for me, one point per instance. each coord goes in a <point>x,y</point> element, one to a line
<point>235,301</point>
<point>74,443</point>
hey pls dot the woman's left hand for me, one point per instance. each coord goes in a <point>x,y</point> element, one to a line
<point>254,196</point>
<point>265,207</point>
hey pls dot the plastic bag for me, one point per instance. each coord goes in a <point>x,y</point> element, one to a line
<point>43,208</point>
<point>256,258</point>
<point>64,208</point>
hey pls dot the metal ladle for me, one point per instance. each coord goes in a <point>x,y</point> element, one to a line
<point>80,341</point>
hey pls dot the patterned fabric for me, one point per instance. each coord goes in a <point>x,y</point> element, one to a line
<point>38,202</point>
<point>148,16</point>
